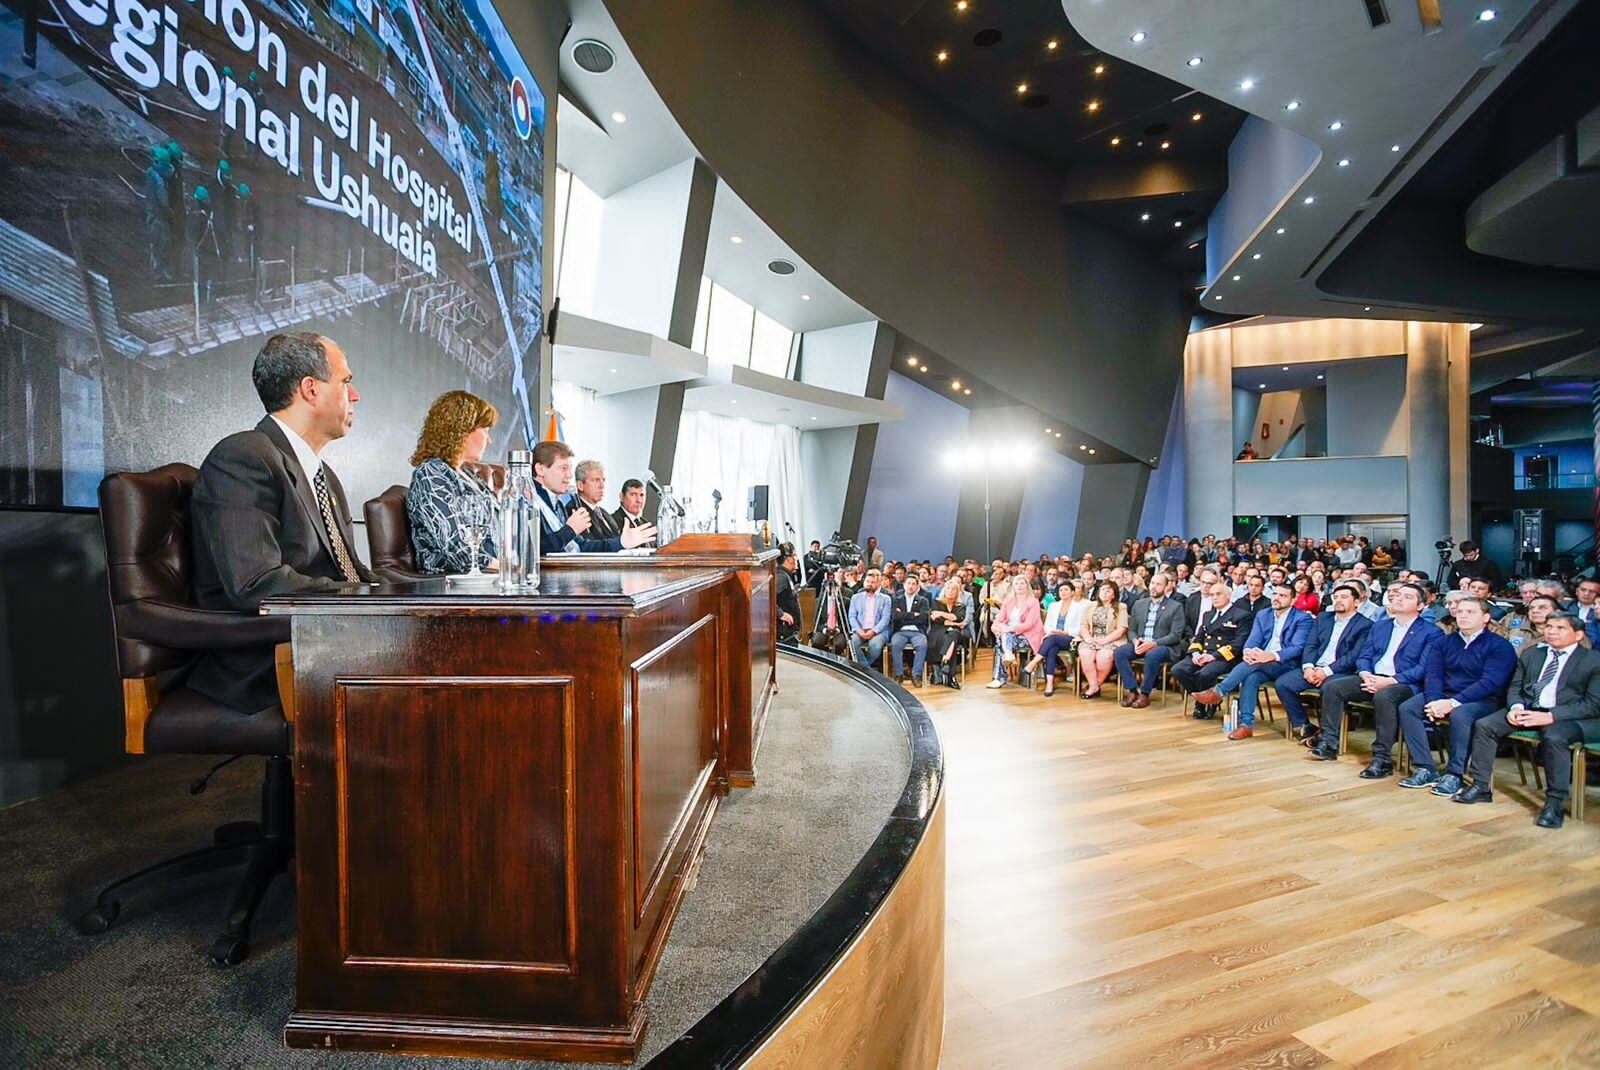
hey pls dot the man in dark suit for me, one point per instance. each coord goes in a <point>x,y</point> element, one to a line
<point>564,530</point>
<point>1464,681</point>
<point>1157,634</point>
<point>1389,670</point>
<point>788,601</point>
<point>1555,690</point>
<point>590,481</point>
<point>1336,640</point>
<point>1216,645</point>
<point>629,512</point>
<point>267,516</point>
<point>1276,641</point>
<point>1196,602</point>
<point>908,626</point>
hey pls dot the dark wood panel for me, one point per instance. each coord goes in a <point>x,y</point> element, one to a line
<point>462,792</point>
<point>674,750</point>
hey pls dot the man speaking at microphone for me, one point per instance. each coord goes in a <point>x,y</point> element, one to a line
<point>561,532</point>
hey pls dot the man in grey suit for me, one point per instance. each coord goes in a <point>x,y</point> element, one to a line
<point>1156,633</point>
<point>1555,690</point>
<point>267,516</point>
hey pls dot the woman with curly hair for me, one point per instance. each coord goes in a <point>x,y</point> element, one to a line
<point>443,494</point>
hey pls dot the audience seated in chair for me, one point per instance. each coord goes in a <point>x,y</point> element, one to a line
<point>1276,642</point>
<point>1156,634</point>
<point>871,613</point>
<point>1104,627</point>
<point>1062,624</point>
<point>1464,680</point>
<point>1554,691</point>
<point>908,622</point>
<point>947,631</point>
<point>1016,623</point>
<point>1331,649</point>
<point>1216,644</point>
<point>1389,670</point>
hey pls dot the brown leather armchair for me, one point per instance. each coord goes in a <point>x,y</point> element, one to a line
<point>389,537</point>
<point>159,633</point>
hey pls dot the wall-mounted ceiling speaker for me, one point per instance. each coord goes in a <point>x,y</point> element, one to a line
<point>594,56</point>
<point>780,267</point>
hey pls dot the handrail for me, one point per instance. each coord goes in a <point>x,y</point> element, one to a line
<point>737,1026</point>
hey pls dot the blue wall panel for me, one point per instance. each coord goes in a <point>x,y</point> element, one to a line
<point>1163,499</point>
<point>911,497</point>
<point>1049,517</point>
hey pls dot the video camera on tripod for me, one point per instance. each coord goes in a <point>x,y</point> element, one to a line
<point>840,552</point>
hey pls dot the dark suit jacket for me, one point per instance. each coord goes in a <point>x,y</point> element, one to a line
<point>605,525</point>
<point>1223,633</point>
<point>1577,689</point>
<point>256,531</point>
<point>788,602</point>
<point>1410,661</point>
<point>555,542</point>
<point>1171,623</point>
<point>1350,641</point>
<point>916,616</point>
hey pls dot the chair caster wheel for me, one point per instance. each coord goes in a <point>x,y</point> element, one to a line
<point>99,919</point>
<point>229,950</point>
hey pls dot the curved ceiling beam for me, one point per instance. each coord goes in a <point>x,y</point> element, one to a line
<point>1377,101</point>
<point>945,232</point>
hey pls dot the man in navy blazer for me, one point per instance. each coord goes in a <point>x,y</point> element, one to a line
<point>1464,681</point>
<point>1277,640</point>
<point>1389,670</point>
<point>1336,640</point>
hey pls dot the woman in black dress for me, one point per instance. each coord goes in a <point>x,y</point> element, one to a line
<point>947,633</point>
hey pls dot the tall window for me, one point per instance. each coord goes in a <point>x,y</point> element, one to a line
<point>577,235</point>
<point>730,330</point>
<point>770,346</point>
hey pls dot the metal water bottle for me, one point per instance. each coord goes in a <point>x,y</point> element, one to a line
<point>519,526</point>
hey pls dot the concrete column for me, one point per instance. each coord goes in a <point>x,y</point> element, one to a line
<point>877,381</point>
<point>1437,405</point>
<point>1207,433</point>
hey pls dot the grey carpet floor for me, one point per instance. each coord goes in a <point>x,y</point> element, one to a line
<point>832,765</point>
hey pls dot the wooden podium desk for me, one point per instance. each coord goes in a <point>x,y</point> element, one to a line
<point>751,632</point>
<point>498,803</point>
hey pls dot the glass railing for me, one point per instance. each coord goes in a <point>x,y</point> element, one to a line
<point>1555,481</point>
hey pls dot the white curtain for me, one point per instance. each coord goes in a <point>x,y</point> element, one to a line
<point>732,455</point>
<point>583,422</point>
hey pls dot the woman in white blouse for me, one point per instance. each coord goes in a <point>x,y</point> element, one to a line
<point>1062,624</point>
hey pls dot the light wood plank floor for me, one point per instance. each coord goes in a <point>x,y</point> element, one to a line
<point>1128,889</point>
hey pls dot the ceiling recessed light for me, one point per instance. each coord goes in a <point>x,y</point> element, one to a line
<point>1052,44</point>
<point>911,361</point>
<point>1138,37</point>
<point>1058,434</point>
<point>1311,200</point>
<point>1366,308</point>
<point>961,5</point>
<point>1194,245</point>
<point>1082,447</point>
<point>1115,142</point>
<point>1093,105</point>
<point>618,117</point>
<point>1236,278</point>
<point>1263,386</point>
<point>1047,430</point>
<point>1177,222</point>
<point>1196,117</point>
<point>923,368</point>
<point>805,297</point>
<point>1091,449</point>
<point>733,402</point>
<point>1319,377</point>
<point>1487,15</point>
<point>1099,68</point>
<point>1280,230</point>
<point>1293,105</point>
<point>1248,84</point>
<point>1195,61</point>
<point>613,371</point>
<point>1394,148</point>
<point>1336,126</point>
<point>1165,145</point>
<point>1145,218</point>
<point>1256,256</point>
<point>1216,297</point>
<point>1344,163</point>
<point>1022,87</point>
<point>955,384</point>
<point>736,240</point>
<point>1284,368</point>
<point>942,55</point>
<point>813,419</point>
<point>968,390</point>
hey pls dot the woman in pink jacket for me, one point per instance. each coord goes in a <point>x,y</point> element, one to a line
<point>1016,620</point>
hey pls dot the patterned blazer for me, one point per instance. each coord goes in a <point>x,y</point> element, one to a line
<point>435,503</point>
